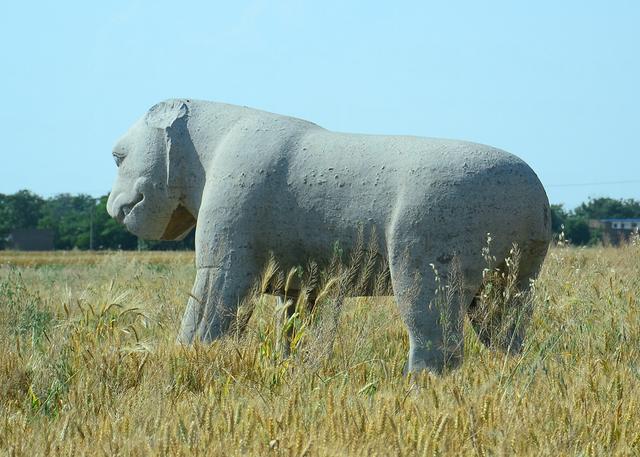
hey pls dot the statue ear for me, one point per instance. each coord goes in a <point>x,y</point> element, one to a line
<point>165,114</point>
<point>171,117</point>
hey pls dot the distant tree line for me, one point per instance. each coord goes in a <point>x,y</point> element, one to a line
<point>77,221</point>
<point>81,221</point>
<point>575,223</point>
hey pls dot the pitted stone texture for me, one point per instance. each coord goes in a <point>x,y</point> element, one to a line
<point>255,183</point>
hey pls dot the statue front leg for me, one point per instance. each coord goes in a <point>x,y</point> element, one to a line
<point>213,304</point>
<point>198,302</point>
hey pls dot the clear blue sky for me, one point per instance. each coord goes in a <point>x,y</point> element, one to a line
<point>557,83</point>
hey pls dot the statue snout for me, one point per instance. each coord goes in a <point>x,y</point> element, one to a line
<point>119,208</point>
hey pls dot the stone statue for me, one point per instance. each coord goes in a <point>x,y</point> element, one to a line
<point>255,183</point>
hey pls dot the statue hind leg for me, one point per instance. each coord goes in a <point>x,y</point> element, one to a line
<point>431,305</point>
<point>506,329</point>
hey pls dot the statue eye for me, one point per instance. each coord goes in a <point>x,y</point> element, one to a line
<point>118,157</point>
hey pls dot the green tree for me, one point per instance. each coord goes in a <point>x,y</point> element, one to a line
<point>188,243</point>
<point>576,222</point>
<point>608,208</point>
<point>20,210</point>
<point>577,230</point>
<point>558,218</point>
<point>69,216</point>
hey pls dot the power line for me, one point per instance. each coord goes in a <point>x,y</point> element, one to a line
<point>602,183</point>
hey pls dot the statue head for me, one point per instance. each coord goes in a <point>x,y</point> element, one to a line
<point>149,191</point>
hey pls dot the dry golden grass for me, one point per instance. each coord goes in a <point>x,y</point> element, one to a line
<point>48,258</point>
<point>89,367</point>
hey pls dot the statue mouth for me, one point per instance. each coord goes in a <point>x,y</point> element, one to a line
<point>126,209</point>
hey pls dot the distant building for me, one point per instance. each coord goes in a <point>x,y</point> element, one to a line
<point>616,230</point>
<point>30,240</point>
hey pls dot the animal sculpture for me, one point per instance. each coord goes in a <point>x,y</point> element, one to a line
<point>256,184</point>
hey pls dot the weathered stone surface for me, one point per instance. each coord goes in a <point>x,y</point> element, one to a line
<point>256,182</point>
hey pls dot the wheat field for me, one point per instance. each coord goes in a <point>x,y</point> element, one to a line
<point>89,366</point>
